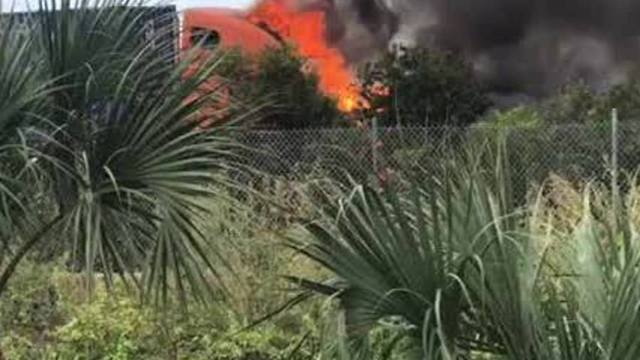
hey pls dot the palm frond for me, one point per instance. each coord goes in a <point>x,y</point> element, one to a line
<point>126,163</point>
<point>22,94</point>
<point>405,251</point>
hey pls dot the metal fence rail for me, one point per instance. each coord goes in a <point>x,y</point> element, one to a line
<point>576,151</point>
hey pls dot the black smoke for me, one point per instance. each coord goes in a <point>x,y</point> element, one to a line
<point>522,49</point>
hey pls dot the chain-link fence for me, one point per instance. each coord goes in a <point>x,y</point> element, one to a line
<point>575,152</point>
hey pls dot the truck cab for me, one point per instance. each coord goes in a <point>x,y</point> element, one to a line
<point>213,29</point>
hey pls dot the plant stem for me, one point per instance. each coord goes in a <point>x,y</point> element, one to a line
<point>24,250</point>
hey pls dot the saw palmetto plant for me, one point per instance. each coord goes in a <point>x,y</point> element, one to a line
<point>110,131</point>
<point>22,93</point>
<point>405,251</point>
<point>468,275</point>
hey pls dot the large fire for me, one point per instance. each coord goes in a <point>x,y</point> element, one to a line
<point>307,30</point>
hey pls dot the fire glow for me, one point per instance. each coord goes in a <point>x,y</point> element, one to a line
<point>307,31</point>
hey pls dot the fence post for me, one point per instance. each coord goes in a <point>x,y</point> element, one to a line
<point>374,144</point>
<point>614,165</point>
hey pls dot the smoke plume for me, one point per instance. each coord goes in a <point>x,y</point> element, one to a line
<point>522,49</point>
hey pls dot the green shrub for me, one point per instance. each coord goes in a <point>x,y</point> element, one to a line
<point>49,314</point>
<point>29,312</point>
<point>110,326</point>
<point>577,103</point>
<point>519,117</point>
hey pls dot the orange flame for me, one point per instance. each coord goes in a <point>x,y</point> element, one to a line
<point>307,30</point>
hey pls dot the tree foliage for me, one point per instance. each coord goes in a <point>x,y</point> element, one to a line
<point>421,87</point>
<point>578,103</point>
<point>285,85</point>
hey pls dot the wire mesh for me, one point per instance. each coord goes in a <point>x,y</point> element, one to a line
<point>574,151</point>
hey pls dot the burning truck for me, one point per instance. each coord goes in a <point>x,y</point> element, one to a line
<point>273,23</point>
<point>522,50</point>
<point>268,24</point>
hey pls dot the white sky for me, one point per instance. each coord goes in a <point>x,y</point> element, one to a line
<point>21,5</point>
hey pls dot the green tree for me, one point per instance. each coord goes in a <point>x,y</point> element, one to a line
<point>578,103</point>
<point>574,103</point>
<point>288,94</point>
<point>418,87</point>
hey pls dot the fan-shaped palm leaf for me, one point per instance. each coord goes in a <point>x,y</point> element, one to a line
<point>126,162</point>
<point>405,251</point>
<point>22,94</point>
